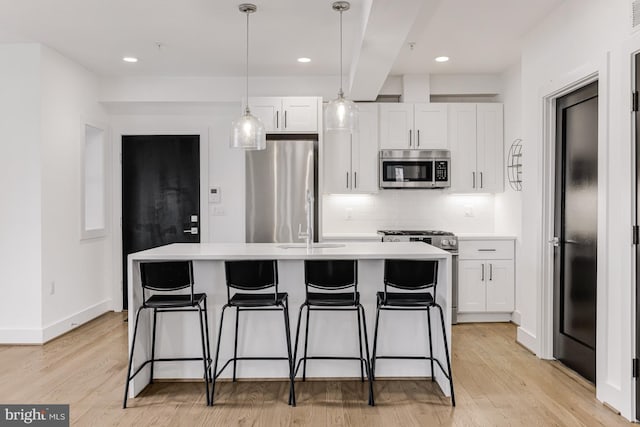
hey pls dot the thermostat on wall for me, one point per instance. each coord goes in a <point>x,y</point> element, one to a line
<point>214,195</point>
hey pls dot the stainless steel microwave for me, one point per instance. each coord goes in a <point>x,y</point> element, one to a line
<point>415,169</point>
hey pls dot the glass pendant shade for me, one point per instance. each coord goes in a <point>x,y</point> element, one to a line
<point>341,114</point>
<point>248,133</point>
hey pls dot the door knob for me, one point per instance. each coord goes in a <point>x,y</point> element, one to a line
<point>192,230</point>
<point>555,241</point>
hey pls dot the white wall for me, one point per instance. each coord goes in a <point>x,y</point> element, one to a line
<point>508,205</point>
<point>20,160</point>
<point>213,89</point>
<point>407,209</point>
<point>80,269</point>
<point>573,41</point>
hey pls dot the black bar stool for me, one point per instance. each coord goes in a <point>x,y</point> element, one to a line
<point>331,277</point>
<point>163,277</point>
<point>416,278</point>
<point>253,277</point>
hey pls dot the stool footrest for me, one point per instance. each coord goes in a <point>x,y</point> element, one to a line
<point>417,358</point>
<point>217,374</point>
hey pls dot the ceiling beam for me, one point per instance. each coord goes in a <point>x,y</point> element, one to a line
<point>384,31</point>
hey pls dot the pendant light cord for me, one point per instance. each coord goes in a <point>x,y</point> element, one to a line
<point>247,69</point>
<point>341,93</point>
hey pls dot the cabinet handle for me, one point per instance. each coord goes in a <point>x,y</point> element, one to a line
<point>347,179</point>
<point>482,272</point>
<point>418,137</point>
<point>277,119</point>
<point>481,185</point>
<point>409,137</point>
<point>355,180</point>
<point>490,271</point>
<point>474,179</point>
<point>285,119</point>
<point>486,250</point>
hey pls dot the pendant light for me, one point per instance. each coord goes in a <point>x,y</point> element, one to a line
<point>341,113</point>
<point>247,132</point>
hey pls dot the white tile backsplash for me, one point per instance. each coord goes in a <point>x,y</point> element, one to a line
<point>408,209</point>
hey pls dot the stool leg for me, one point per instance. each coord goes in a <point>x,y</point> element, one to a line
<point>360,344</point>
<point>215,361</point>
<point>287,331</point>
<point>153,343</point>
<point>133,346</point>
<point>206,331</point>
<point>235,344</point>
<point>306,338</point>
<point>375,343</point>
<point>446,351</point>
<point>295,347</point>
<point>204,354</point>
<point>366,346</point>
<point>433,374</point>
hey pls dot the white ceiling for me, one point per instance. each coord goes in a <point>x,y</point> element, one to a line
<point>206,37</point>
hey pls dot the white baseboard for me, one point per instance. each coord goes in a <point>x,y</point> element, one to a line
<point>20,336</point>
<point>483,317</point>
<point>62,326</point>
<point>527,339</point>
<point>516,317</point>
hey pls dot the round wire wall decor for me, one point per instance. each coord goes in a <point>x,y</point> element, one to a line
<point>514,165</point>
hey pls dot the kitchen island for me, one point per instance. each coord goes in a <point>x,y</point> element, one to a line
<point>261,334</point>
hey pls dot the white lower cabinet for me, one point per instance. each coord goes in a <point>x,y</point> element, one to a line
<point>486,280</point>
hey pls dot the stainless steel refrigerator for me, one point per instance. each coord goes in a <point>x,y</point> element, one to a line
<point>277,182</point>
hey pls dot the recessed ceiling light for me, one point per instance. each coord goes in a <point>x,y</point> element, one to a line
<point>442,59</point>
<point>130,59</point>
<point>305,60</point>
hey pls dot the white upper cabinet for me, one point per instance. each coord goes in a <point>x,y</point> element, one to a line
<point>350,160</point>
<point>413,126</point>
<point>476,143</point>
<point>430,126</point>
<point>490,148</point>
<point>396,126</point>
<point>294,114</point>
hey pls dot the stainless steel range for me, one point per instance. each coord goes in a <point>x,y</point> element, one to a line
<point>440,239</point>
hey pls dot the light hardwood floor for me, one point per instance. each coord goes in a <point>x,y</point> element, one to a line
<point>497,383</point>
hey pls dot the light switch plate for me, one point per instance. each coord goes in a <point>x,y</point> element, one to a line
<point>215,195</point>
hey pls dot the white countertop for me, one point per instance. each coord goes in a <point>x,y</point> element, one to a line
<point>352,236</point>
<point>240,251</point>
<point>485,236</point>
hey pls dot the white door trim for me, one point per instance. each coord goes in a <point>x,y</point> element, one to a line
<point>570,82</point>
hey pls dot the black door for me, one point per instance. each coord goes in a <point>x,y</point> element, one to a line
<point>160,193</point>
<point>576,206</point>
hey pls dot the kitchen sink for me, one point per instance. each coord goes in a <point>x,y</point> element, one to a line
<point>313,246</point>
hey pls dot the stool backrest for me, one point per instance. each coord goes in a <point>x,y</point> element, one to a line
<point>166,276</point>
<point>409,274</point>
<point>331,274</point>
<point>251,275</point>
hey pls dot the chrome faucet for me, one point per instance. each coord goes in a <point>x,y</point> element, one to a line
<point>308,235</point>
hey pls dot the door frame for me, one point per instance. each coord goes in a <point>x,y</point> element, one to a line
<point>598,70</point>
<point>118,133</point>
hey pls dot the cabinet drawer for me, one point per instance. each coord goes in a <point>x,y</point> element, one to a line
<point>486,249</point>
